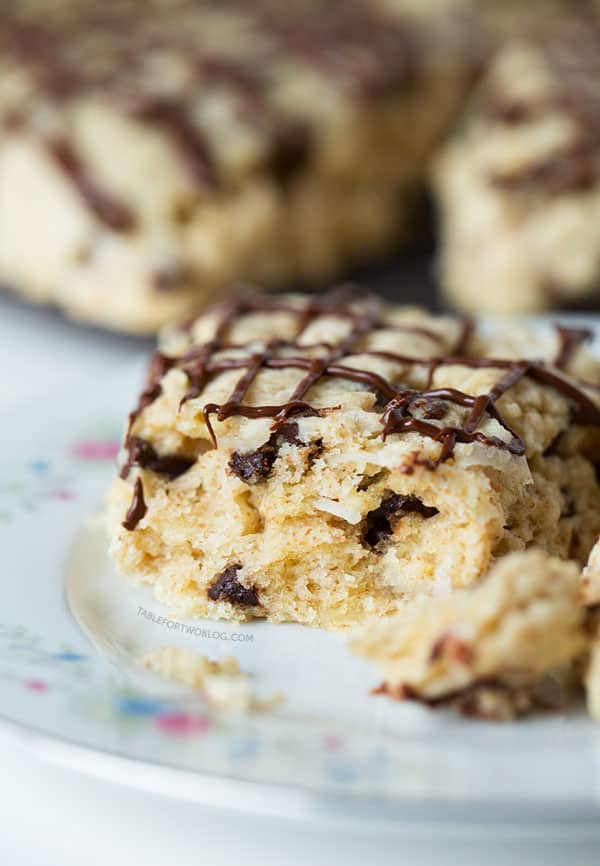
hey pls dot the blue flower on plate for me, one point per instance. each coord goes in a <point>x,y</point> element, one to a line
<point>40,467</point>
<point>139,705</point>
<point>341,771</point>
<point>69,656</point>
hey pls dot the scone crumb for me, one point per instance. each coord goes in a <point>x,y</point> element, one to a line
<point>224,685</point>
<point>499,650</point>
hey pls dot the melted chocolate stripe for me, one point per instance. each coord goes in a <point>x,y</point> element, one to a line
<point>109,210</point>
<point>191,143</point>
<point>570,339</point>
<point>137,510</point>
<point>200,365</point>
<point>159,365</point>
<point>585,411</point>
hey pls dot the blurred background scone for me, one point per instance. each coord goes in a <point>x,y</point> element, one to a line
<point>152,153</point>
<point>519,186</point>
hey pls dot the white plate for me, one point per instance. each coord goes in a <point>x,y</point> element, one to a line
<point>71,685</point>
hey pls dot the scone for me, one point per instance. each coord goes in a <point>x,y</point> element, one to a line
<point>150,158</point>
<point>321,459</point>
<point>518,187</point>
<point>490,651</point>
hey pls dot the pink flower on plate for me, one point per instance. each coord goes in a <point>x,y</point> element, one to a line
<point>63,495</point>
<point>332,743</point>
<point>183,724</point>
<point>36,685</point>
<point>95,449</point>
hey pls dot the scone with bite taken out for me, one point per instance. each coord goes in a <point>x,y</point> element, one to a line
<point>323,459</point>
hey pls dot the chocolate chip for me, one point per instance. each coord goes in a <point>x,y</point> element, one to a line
<point>380,523</point>
<point>433,410</point>
<point>368,480</point>
<point>315,449</point>
<point>170,278</point>
<point>381,402</point>
<point>226,587</point>
<point>569,504</point>
<point>290,152</point>
<point>554,447</point>
<point>253,466</point>
<point>514,113</point>
<point>142,453</point>
<point>288,433</point>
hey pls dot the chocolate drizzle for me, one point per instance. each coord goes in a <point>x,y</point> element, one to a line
<point>109,210</point>
<point>401,405</point>
<point>159,365</point>
<point>570,339</point>
<point>137,510</point>
<point>186,136</point>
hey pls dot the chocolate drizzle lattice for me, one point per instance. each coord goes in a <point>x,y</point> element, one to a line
<point>398,403</point>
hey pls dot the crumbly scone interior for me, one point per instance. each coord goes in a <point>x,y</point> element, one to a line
<point>318,517</point>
